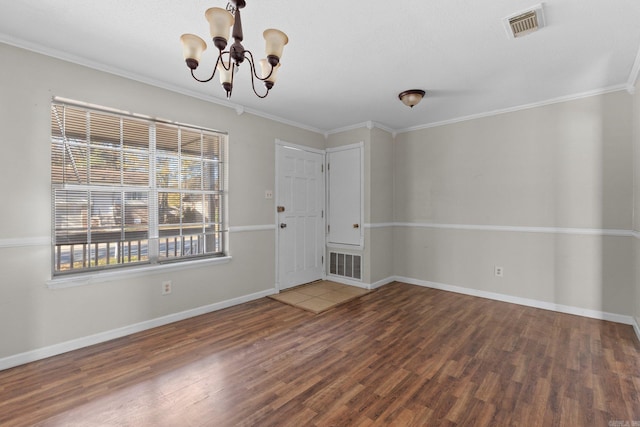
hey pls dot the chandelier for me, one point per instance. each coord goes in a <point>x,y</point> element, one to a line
<point>220,22</point>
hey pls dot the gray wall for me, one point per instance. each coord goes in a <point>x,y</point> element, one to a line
<point>437,202</point>
<point>508,177</point>
<point>636,198</point>
<point>32,316</point>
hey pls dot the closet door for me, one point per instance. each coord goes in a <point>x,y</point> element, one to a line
<point>344,167</point>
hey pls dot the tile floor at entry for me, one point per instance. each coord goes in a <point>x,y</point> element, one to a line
<point>319,296</point>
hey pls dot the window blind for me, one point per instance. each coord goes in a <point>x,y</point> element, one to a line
<point>127,190</point>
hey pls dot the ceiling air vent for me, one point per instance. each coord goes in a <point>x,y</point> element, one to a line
<point>523,23</point>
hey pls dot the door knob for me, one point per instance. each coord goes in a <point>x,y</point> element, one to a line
<point>283,225</point>
<point>356,225</point>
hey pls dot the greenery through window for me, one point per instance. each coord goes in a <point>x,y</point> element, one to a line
<point>129,190</point>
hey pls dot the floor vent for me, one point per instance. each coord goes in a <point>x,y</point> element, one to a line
<point>345,265</point>
<point>523,23</point>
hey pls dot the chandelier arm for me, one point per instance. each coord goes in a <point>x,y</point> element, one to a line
<point>215,67</point>
<point>253,76</point>
<point>253,68</point>
<point>205,80</point>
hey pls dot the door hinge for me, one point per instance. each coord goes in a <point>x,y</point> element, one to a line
<point>321,214</point>
<point>328,228</point>
<point>321,167</point>
<point>328,166</point>
<point>322,259</point>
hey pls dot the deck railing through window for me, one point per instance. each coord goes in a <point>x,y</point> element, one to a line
<point>128,190</point>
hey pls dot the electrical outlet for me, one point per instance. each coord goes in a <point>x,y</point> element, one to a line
<point>499,271</point>
<point>268,194</point>
<point>166,287</point>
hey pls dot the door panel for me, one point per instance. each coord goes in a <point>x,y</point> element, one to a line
<point>301,224</point>
<point>345,196</point>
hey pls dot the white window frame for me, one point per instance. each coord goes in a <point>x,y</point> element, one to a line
<point>89,273</point>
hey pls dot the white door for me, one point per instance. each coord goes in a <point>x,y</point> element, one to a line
<point>300,215</point>
<point>344,166</point>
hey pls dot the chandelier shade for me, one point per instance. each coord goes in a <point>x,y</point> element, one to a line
<point>192,48</point>
<point>275,41</point>
<point>269,72</point>
<point>225,71</point>
<point>221,23</point>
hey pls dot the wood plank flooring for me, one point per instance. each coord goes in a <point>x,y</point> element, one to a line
<point>402,355</point>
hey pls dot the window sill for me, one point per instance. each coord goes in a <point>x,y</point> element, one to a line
<point>122,273</point>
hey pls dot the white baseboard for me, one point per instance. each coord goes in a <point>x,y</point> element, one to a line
<point>382,282</point>
<point>56,349</point>
<point>594,314</point>
<point>347,281</point>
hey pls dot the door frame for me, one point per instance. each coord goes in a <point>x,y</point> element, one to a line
<point>323,194</point>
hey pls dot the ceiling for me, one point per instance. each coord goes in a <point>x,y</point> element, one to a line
<point>346,61</point>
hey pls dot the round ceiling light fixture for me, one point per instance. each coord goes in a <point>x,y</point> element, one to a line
<point>411,97</point>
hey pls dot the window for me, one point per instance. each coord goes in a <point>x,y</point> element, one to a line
<point>129,191</point>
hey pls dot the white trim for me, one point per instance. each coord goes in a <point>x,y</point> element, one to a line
<point>636,327</point>
<point>355,248</point>
<point>558,100</point>
<point>299,147</point>
<point>46,241</point>
<point>83,279</point>
<point>245,228</point>
<point>351,282</point>
<point>56,349</point>
<point>635,234</point>
<point>509,228</point>
<point>19,242</point>
<point>369,125</point>
<point>382,282</point>
<point>346,147</point>
<point>380,225</point>
<point>584,312</point>
<point>64,56</point>
<point>633,75</point>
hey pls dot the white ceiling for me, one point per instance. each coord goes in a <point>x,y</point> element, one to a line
<point>347,61</point>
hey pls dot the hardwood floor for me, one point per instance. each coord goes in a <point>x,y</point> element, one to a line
<point>402,355</point>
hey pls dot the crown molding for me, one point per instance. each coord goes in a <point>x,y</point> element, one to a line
<point>559,100</point>
<point>368,124</point>
<point>629,86</point>
<point>99,66</point>
<point>633,75</point>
